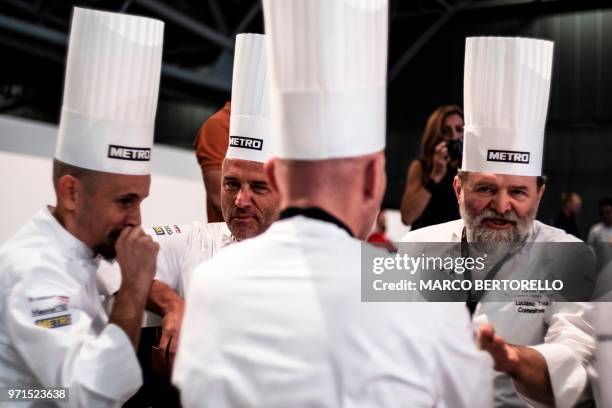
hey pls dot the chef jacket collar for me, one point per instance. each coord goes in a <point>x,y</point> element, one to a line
<point>66,240</point>
<point>316,213</point>
<point>458,231</point>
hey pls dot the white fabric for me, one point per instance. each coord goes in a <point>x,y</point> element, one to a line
<point>603,355</point>
<point>40,265</point>
<point>180,253</point>
<point>600,233</point>
<point>562,334</point>
<point>250,113</point>
<point>328,66</point>
<point>506,90</point>
<point>277,321</point>
<point>110,92</point>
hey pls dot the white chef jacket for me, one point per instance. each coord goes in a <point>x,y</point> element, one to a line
<point>181,249</point>
<point>600,233</point>
<point>562,334</point>
<point>181,252</point>
<point>277,321</point>
<point>55,331</point>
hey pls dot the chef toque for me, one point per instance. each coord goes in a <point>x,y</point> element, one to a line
<point>110,92</point>
<point>250,112</point>
<point>506,89</point>
<point>328,65</point>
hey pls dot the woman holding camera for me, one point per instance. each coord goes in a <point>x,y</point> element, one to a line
<point>429,197</point>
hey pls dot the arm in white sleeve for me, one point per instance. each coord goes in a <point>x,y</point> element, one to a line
<point>568,349</point>
<point>61,348</point>
<point>465,374</point>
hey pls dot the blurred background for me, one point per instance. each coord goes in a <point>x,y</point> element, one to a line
<point>425,71</point>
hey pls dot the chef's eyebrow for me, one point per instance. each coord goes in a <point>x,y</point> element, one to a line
<point>518,187</point>
<point>128,195</point>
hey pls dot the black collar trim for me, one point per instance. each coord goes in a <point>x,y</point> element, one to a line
<point>314,213</point>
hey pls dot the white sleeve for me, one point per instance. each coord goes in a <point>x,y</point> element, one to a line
<point>465,374</point>
<point>173,248</point>
<point>53,335</point>
<point>568,349</point>
<point>108,278</point>
<point>198,353</point>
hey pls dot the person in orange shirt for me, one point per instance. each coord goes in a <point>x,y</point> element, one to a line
<point>211,144</point>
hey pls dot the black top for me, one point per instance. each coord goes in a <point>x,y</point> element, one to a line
<point>442,206</point>
<point>314,213</point>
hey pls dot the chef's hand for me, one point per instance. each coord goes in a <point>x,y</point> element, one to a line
<point>440,162</point>
<point>171,328</point>
<point>137,257</point>
<point>526,366</point>
<point>505,356</point>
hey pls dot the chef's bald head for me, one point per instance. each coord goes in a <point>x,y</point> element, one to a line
<point>350,188</point>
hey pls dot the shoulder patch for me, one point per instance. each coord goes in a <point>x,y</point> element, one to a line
<point>48,305</point>
<point>55,310</point>
<point>53,322</point>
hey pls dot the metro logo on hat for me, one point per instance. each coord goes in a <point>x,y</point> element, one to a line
<point>250,113</point>
<point>506,90</point>
<point>110,92</point>
<point>328,68</point>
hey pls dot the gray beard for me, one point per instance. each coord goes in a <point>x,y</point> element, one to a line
<point>495,241</point>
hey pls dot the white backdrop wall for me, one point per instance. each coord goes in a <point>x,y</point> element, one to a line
<point>26,154</point>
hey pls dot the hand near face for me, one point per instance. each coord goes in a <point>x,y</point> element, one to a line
<point>137,257</point>
<point>440,162</point>
<point>505,356</point>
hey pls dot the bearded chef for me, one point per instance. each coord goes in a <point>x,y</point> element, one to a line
<point>541,349</point>
<point>55,331</point>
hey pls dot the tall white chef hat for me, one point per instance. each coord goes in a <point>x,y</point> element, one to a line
<point>328,66</point>
<point>110,92</point>
<point>506,89</point>
<point>250,113</point>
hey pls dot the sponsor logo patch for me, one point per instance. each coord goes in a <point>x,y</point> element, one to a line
<point>129,153</point>
<point>508,156</point>
<point>159,230</point>
<point>48,305</point>
<point>246,142</point>
<point>167,230</point>
<point>54,322</point>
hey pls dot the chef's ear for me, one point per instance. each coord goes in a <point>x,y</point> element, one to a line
<point>67,187</point>
<point>457,186</point>
<point>270,175</point>
<point>375,178</point>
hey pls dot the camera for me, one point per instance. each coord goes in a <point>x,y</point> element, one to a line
<point>455,149</point>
